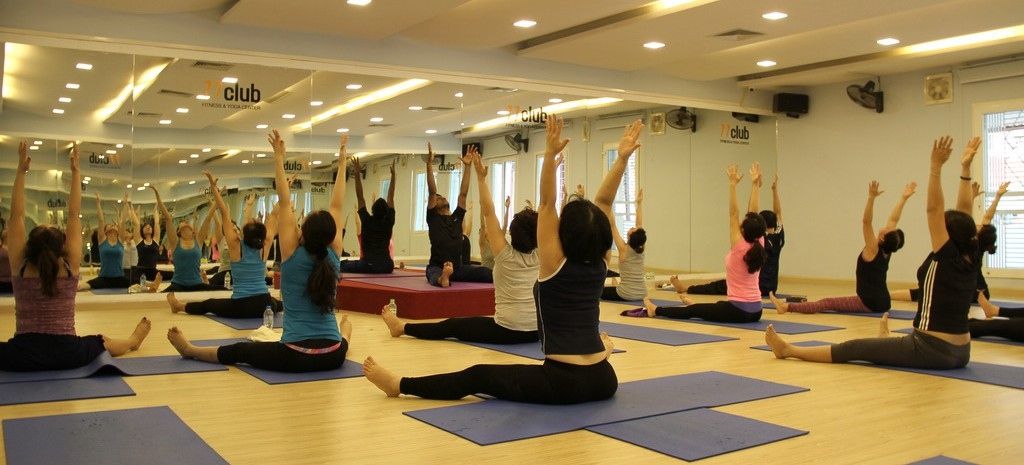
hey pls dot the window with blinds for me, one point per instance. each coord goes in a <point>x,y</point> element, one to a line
<point>624,206</point>
<point>1004,161</point>
<point>419,221</point>
<point>559,182</point>
<point>502,178</point>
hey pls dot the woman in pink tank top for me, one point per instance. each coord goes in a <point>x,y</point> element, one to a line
<point>45,286</point>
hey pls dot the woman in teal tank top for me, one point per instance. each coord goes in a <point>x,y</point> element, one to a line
<point>186,251</point>
<point>247,254</point>
<point>111,252</point>
<point>313,340</point>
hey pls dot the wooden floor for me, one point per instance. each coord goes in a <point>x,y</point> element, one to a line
<point>854,414</point>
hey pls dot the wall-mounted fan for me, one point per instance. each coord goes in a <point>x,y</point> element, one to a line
<point>517,142</point>
<point>682,119</point>
<point>866,96</point>
<point>938,88</point>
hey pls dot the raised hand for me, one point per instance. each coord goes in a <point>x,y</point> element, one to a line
<point>873,189</point>
<point>213,180</point>
<point>529,204</point>
<point>1003,188</point>
<point>74,157</point>
<point>393,166</point>
<point>734,174</point>
<point>250,200</point>
<point>628,143</point>
<point>430,154</point>
<point>471,154</point>
<point>277,143</point>
<point>975,190</point>
<point>640,196</point>
<point>23,159</point>
<point>508,201</point>
<point>356,165</point>
<point>342,143</point>
<point>559,159</point>
<point>581,191</point>
<point>775,181</point>
<point>969,151</point>
<point>555,143</point>
<point>909,190</point>
<point>755,174</point>
<point>941,149</point>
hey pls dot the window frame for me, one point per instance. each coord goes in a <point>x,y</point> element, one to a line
<point>629,203</point>
<point>980,165</point>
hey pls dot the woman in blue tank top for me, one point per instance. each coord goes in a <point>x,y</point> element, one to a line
<point>249,295</point>
<point>573,252</point>
<point>313,340</point>
<point>186,253</point>
<point>111,252</point>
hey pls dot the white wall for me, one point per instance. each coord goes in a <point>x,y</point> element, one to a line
<point>827,158</point>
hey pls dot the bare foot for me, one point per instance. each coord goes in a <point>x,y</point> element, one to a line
<point>780,305</point>
<point>779,347</point>
<point>446,274</point>
<point>678,285</point>
<point>381,377</point>
<point>990,309</point>
<point>155,285</point>
<point>345,327</point>
<point>176,305</point>
<point>395,325</point>
<point>179,341</point>
<point>140,333</point>
<point>83,286</point>
<point>650,306</point>
<point>686,300</point>
<point>883,326</point>
<point>401,265</point>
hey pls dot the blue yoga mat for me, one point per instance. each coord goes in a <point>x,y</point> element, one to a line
<point>132,366</point>
<point>893,314</point>
<point>659,336</point>
<point>247,323</point>
<point>941,460</point>
<point>993,339</point>
<point>640,303</point>
<point>349,369</point>
<point>988,373</point>
<point>110,291</point>
<point>1006,303</point>
<point>64,389</point>
<point>781,327</point>
<point>528,349</point>
<point>153,436</point>
<point>496,421</point>
<point>696,434</point>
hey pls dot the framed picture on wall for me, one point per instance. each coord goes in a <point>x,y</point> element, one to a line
<point>657,126</point>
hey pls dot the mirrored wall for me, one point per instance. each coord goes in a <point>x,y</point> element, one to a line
<point>149,124</point>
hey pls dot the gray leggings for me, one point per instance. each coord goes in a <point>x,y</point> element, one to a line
<point>916,350</point>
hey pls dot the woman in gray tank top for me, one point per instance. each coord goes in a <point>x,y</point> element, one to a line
<point>631,259</point>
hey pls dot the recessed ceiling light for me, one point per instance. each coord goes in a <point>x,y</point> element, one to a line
<point>129,186</point>
<point>554,100</point>
<point>88,178</point>
<point>337,154</point>
<point>86,181</point>
<point>207,150</point>
<point>202,97</point>
<point>316,103</point>
<point>354,86</point>
<point>359,2</point>
<point>376,119</point>
<point>317,162</point>
<point>262,126</point>
<point>458,95</point>
<point>288,116</point>
<point>766,63</point>
<point>182,110</point>
<point>59,111</point>
<point>774,15</point>
<point>145,184</point>
<point>141,189</point>
<point>112,152</point>
<point>245,162</point>
<point>34,147</point>
<point>431,131</point>
<point>654,45</point>
<point>229,80</point>
<point>261,155</point>
<point>888,41</point>
<point>38,142</point>
<point>85,66</point>
<point>64,100</point>
<point>194,155</point>
<point>165,121</point>
<point>192,182</point>
<point>342,130</point>
<point>71,85</point>
<point>182,162</point>
<point>120,146</point>
<point>525,23</point>
<point>415,108</point>
<point>503,112</point>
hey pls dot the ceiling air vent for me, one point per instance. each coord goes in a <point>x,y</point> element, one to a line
<point>738,35</point>
<point>176,93</point>
<point>380,125</point>
<point>212,65</point>
<point>506,90</point>
<point>214,158</point>
<point>145,114</point>
<point>437,108</point>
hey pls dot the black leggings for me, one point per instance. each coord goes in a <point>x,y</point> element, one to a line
<point>150,273</point>
<point>383,266</point>
<point>713,288</point>
<point>6,288</point>
<point>722,311</point>
<point>245,307</point>
<point>279,357</point>
<point>915,295</point>
<point>916,350</point>
<point>610,293</point>
<point>550,383</point>
<point>1012,329</point>
<point>1011,312</point>
<point>471,329</point>
<point>101,282</point>
<point>174,287</point>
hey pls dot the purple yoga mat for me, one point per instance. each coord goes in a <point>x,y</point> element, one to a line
<point>420,284</point>
<point>993,339</point>
<point>104,363</point>
<point>63,389</point>
<point>348,369</point>
<point>394,274</point>
<point>941,460</point>
<point>153,435</point>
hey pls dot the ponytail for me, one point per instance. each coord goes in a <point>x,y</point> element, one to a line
<point>755,257</point>
<point>753,229</point>
<point>44,249</point>
<point>318,232</point>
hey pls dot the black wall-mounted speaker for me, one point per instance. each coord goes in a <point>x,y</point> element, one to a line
<point>792,105</point>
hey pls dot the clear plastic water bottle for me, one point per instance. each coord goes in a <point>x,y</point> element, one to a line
<point>393,307</point>
<point>227,280</point>
<point>268,317</point>
<point>142,283</point>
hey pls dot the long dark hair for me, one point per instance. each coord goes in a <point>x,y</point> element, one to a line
<point>379,208</point>
<point>987,238</point>
<point>584,231</point>
<point>638,240</point>
<point>963,233</point>
<point>892,241</point>
<point>753,228</point>
<point>44,250</point>
<point>254,234</point>
<point>318,233</point>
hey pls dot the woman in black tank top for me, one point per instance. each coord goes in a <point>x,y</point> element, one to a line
<point>573,252</point>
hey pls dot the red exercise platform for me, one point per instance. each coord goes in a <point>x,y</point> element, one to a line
<point>415,297</point>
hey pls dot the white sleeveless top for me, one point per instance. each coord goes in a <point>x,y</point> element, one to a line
<point>515,274</point>
<point>631,275</point>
